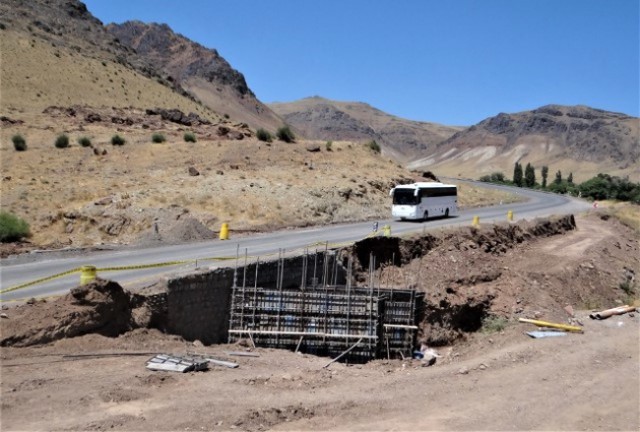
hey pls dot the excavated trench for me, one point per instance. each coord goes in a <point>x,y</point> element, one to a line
<point>447,270</point>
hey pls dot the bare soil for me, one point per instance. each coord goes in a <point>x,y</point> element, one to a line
<point>483,380</point>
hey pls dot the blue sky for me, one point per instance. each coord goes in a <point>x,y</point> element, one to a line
<point>453,62</point>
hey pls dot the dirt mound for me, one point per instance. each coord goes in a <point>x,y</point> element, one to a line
<point>472,276</point>
<point>100,307</point>
<point>496,239</point>
<point>185,229</point>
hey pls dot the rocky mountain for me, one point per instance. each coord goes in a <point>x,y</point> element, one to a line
<point>324,119</point>
<point>577,138</point>
<point>199,70</point>
<point>55,52</point>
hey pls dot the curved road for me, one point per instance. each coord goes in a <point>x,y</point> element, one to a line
<point>21,269</point>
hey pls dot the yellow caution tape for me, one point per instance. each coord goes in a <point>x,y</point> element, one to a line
<point>144,266</point>
<point>37,281</point>
<point>172,263</point>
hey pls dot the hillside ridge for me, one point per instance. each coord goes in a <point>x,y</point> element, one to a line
<point>402,139</point>
<point>202,71</point>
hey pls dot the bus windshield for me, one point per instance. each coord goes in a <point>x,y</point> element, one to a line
<point>405,197</point>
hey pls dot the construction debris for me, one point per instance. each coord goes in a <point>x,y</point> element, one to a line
<point>545,334</point>
<point>620,310</point>
<point>165,362</point>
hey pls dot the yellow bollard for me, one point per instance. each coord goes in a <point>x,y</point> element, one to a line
<point>224,231</point>
<point>87,274</point>
<point>386,231</point>
<point>476,221</point>
<point>510,215</point>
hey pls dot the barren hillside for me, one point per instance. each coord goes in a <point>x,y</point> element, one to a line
<point>199,70</point>
<point>324,119</point>
<point>57,53</point>
<point>575,139</point>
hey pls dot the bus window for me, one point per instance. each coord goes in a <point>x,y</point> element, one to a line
<point>405,197</point>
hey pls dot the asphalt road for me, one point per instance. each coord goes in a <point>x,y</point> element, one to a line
<point>18,270</point>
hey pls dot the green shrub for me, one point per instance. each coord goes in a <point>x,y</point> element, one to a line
<point>84,141</point>
<point>329,145</point>
<point>19,143</point>
<point>117,140</point>
<point>62,141</point>
<point>189,137</point>
<point>284,134</point>
<point>495,177</point>
<point>12,228</point>
<point>158,138</point>
<point>373,145</point>
<point>264,135</point>
<point>494,324</point>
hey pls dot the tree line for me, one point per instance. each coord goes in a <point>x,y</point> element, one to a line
<point>600,187</point>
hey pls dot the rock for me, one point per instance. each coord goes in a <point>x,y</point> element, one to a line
<point>463,370</point>
<point>197,343</point>
<point>220,172</point>
<point>31,301</point>
<point>223,130</point>
<point>122,120</point>
<point>5,307</point>
<point>193,171</point>
<point>313,148</point>
<point>482,366</point>
<point>104,201</point>
<point>345,192</point>
<point>4,315</point>
<point>92,118</point>
<point>236,135</point>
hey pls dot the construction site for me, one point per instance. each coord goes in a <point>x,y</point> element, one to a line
<point>333,339</point>
<point>326,315</point>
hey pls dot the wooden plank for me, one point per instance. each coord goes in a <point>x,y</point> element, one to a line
<point>222,363</point>
<point>344,353</point>
<point>241,354</point>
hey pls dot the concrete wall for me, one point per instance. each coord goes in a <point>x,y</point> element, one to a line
<point>198,303</point>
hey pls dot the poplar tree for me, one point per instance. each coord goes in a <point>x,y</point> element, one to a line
<point>558,179</point>
<point>545,174</point>
<point>529,176</point>
<point>517,175</point>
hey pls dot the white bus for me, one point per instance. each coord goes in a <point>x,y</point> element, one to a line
<point>424,200</point>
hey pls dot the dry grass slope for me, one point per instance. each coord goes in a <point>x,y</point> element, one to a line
<point>36,75</point>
